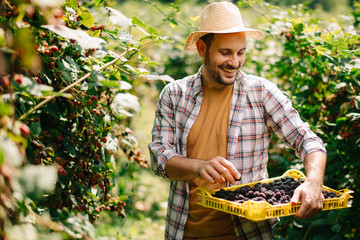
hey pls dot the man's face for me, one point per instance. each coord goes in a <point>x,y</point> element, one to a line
<point>224,58</point>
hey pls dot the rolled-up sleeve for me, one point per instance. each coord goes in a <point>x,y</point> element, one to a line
<point>285,121</point>
<point>163,145</point>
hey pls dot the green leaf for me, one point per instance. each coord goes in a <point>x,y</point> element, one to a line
<point>341,119</point>
<point>110,83</point>
<point>152,31</point>
<point>138,22</point>
<point>96,77</point>
<point>336,228</point>
<point>73,64</point>
<point>323,236</point>
<point>319,222</point>
<point>35,128</point>
<point>112,34</point>
<point>86,18</point>
<point>333,217</point>
<point>5,109</point>
<point>295,235</point>
<point>72,3</point>
<point>92,195</point>
<point>69,147</point>
<point>66,76</point>
<point>106,131</point>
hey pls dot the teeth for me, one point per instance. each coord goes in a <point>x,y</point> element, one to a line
<point>229,70</point>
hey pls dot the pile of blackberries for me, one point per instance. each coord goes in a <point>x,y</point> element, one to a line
<point>276,192</point>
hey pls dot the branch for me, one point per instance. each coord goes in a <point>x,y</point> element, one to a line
<point>49,98</point>
<point>166,15</point>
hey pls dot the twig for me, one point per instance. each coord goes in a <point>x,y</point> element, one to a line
<point>45,101</point>
<point>262,14</point>
<point>166,15</point>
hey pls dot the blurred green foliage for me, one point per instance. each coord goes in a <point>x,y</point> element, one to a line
<point>313,56</point>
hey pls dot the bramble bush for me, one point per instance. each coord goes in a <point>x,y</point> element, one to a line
<point>314,59</point>
<point>65,109</point>
<point>316,62</point>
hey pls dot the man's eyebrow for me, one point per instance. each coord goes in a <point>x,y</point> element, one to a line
<point>229,49</point>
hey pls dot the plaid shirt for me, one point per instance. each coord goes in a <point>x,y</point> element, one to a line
<point>258,110</point>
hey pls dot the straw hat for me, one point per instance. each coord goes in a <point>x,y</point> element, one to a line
<point>220,17</point>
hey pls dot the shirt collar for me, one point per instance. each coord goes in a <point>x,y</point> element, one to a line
<point>197,83</point>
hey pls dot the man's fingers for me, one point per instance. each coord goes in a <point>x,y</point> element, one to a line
<point>296,197</point>
<point>205,175</point>
<point>232,170</point>
<point>219,169</point>
<point>310,205</point>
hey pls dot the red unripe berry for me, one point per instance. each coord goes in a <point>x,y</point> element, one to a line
<point>102,27</point>
<point>97,157</point>
<point>54,48</point>
<point>73,41</point>
<point>43,33</point>
<point>18,80</point>
<point>37,79</point>
<point>94,98</point>
<point>24,129</point>
<point>36,119</point>
<point>61,171</point>
<point>51,65</point>
<point>90,102</point>
<point>95,111</point>
<point>48,52</point>
<point>5,81</point>
<point>93,28</point>
<point>104,139</point>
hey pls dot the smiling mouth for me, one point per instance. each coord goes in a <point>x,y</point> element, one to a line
<point>228,70</point>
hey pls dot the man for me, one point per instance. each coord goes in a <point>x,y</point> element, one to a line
<point>213,129</point>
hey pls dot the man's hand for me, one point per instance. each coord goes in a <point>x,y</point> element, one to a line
<point>311,198</point>
<point>219,170</point>
<point>214,170</point>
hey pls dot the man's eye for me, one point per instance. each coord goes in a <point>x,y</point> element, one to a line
<point>225,53</point>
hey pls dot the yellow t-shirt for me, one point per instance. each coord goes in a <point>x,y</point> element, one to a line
<point>208,139</point>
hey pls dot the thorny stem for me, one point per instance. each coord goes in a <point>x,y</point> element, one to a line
<point>45,101</point>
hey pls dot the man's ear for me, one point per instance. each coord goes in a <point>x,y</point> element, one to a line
<point>201,47</point>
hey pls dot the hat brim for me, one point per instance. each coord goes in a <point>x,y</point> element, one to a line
<point>190,44</point>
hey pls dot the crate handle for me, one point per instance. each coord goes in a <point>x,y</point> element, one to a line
<point>292,171</point>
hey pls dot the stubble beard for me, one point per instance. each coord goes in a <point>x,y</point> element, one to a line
<point>215,75</point>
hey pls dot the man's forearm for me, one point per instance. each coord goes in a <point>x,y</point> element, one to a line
<point>315,164</point>
<point>182,168</point>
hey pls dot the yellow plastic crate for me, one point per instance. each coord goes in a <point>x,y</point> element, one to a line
<point>262,210</point>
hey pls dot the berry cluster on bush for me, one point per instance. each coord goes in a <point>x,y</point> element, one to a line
<point>56,85</point>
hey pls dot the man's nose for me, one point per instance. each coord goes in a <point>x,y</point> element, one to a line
<point>234,61</point>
